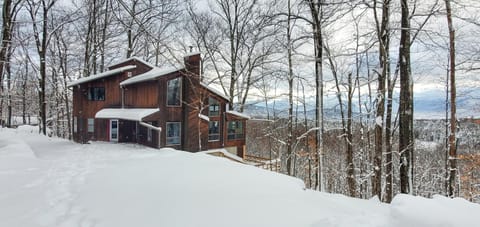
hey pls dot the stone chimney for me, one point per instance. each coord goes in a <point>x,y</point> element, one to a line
<point>193,65</point>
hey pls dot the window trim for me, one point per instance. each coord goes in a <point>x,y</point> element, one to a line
<point>216,134</point>
<point>180,91</point>
<point>110,131</point>
<point>179,133</point>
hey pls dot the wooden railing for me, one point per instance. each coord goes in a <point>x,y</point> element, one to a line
<point>264,163</point>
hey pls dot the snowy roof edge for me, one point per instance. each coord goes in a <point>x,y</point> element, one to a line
<point>132,114</point>
<point>132,58</point>
<point>215,91</point>
<point>150,75</point>
<point>191,54</point>
<point>101,75</point>
<point>238,114</point>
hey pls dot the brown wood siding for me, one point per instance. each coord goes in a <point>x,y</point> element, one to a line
<point>84,108</point>
<point>141,95</point>
<point>196,138</point>
<point>169,113</point>
<point>102,129</point>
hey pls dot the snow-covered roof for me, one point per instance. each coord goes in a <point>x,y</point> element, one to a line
<point>214,90</point>
<point>132,114</point>
<point>101,75</point>
<point>238,114</point>
<point>150,75</point>
<point>133,58</point>
<point>191,54</point>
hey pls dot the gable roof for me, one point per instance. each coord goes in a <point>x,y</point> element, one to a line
<point>132,58</point>
<point>150,75</point>
<point>214,91</point>
<point>101,75</point>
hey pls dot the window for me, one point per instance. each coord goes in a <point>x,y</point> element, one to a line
<point>114,130</point>
<point>96,93</point>
<point>213,131</point>
<point>235,130</point>
<point>174,92</point>
<point>75,124</point>
<point>91,124</point>
<point>173,133</point>
<point>213,107</point>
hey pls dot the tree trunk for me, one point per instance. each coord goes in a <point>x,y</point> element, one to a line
<point>383,38</point>
<point>406,142</point>
<point>385,50</point>
<point>351,180</point>
<point>7,27</point>
<point>9,86</point>
<point>24,94</point>
<point>452,152</point>
<point>290,93</point>
<point>315,10</point>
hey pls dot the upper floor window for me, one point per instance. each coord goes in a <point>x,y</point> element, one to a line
<point>235,130</point>
<point>174,92</point>
<point>96,93</point>
<point>173,133</point>
<point>213,107</point>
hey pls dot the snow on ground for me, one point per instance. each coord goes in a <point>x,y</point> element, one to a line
<point>53,182</point>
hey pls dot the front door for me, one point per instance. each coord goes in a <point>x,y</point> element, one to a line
<point>114,130</point>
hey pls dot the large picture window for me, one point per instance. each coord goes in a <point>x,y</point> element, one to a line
<point>213,131</point>
<point>213,107</point>
<point>173,133</point>
<point>96,93</point>
<point>235,130</point>
<point>174,92</point>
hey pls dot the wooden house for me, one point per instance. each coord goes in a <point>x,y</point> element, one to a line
<point>136,102</point>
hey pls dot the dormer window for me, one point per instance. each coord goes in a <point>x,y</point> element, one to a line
<point>174,89</point>
<point>213,107</point>
<point>96,93</point>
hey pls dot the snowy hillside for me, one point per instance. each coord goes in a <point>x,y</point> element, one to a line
<point>53,182</point>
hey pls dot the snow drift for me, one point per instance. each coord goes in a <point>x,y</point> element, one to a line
<point>53,182</point>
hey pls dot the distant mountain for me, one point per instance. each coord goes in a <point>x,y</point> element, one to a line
<point>427,105</point>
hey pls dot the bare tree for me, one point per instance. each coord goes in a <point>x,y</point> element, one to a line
<point>244,43</point>
<point>406,142</point>
<point>316,11</point>
<point>383,36</point>
<point>452,143</point>
<point>146,23</point>
<point>10,9</point>
<point>41,35</point>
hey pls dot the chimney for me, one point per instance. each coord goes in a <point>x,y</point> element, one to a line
<point>192,65</point>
